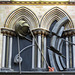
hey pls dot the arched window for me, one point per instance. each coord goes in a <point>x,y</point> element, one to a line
<point>60,54</point>
<point>13,40</point>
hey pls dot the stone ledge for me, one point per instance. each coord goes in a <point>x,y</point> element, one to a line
<point>38,73</point>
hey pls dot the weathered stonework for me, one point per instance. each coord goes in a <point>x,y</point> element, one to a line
<point>39,10</point>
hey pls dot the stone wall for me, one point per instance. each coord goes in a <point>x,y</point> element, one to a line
<point>39,10</point>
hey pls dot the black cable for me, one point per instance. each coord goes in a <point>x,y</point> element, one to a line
<point>25,48</point>
<point>26,38</point>
<point>68,41</point>
<point>19,54</point>
<point>62,39</point>
<point>57,52</point>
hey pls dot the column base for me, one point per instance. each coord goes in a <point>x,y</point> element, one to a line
<point>6,70</point>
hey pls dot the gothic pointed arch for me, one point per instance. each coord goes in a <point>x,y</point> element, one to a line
<point>53,14</point>
<point>22,13</point>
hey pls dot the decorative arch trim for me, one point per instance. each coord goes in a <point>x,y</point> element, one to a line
<point>55,13</point>
<point>22,13</point>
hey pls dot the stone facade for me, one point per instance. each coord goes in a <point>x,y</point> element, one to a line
<point>39,10</point>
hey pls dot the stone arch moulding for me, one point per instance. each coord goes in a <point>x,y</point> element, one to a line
<point>22,13</point>
<point>53,14</point>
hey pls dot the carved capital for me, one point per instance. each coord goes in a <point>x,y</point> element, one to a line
<point>70,32</point>
<point>8,32</point>
<point>40,31</point>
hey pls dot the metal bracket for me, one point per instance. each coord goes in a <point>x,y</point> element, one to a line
<point>17,59</point>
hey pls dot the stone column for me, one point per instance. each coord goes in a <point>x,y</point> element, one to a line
<point>67,53</point>
<point>40,49</point>
<point>7,48</point>
<point>3,51</point>
<point>73,38</point>
<point>10,52</point>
